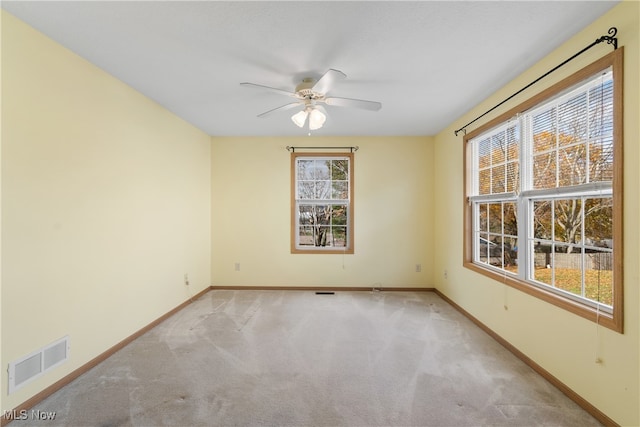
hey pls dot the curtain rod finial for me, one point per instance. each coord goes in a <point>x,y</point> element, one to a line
<point>611,38</point>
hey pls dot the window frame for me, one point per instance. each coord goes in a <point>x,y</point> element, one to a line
<point>295,247</point>
<point>613,319</point>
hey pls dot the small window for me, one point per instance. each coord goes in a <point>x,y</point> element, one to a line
<point>322,203</point>
<point>544,195</point>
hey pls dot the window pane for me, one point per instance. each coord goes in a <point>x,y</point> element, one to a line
<point>484,153</point>
<point>544,131</point>
<point>340,190</point>
<point>572,165</point>
<point>601,108</point>
<point>483,244</point>
<point>306,215</point>
<point>495,218</point>
<point>567,268</point>
<point>495,250</point>
<point>568,222</point>
<point>321,169</point>
<point>572,117</point>
<point>498,148</point>
<point>497,180</point>
<point>541,245</point>
<point>510,251</point>
<point>483,216</point>
<point>542,220</point>
<point>306,236</point>
<point>322,214</point>
<point>339,170</point>
<point>305,190</point>
<point>598,222</point>
<point>322,236</point>
<point>305,169</point>
<point>599,277</point>
<point>542,271</point>
<point>338,215</point>
<point>601,160</point>
<point>510,215</point>
<point>544,170</point>
<point>513,141</point>
<point>339,237</point>
<point>322,190</point>
<point>484,182</point>
<point>513,177</point>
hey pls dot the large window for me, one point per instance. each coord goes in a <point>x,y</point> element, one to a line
<point>322,205</point>
<point>544,204</point>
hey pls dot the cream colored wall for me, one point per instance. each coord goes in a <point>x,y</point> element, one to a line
<point>105,206</point>
<point>393,214</point>
<point>562,343</point>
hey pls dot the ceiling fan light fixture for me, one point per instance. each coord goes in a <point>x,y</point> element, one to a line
<point>316,119</point>
<point>300,118</point>
<point>309,94</point>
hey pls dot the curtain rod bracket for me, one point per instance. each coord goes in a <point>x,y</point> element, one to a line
<point>610,39</point>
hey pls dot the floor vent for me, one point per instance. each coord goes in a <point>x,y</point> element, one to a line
<point>325,293</point>
<point>33,365</point>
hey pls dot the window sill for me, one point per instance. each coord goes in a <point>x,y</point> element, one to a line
<point>604,319</point>
<point>322,251</point>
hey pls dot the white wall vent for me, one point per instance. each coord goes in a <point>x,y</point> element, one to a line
<point>35,364</point>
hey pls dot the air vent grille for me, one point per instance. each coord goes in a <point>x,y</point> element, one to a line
<point>35,364</point>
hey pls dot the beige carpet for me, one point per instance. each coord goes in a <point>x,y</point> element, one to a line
<point>294,358</point>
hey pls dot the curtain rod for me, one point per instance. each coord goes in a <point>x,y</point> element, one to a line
<point>610,39</point>
<point>293,149</point>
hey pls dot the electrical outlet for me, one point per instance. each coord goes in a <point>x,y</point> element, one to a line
<point>186,280</point>
<point>418,268</point>
<point>446,274</point>
<point>237,266</point>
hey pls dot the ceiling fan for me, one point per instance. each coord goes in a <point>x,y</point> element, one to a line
<point>309,94</point>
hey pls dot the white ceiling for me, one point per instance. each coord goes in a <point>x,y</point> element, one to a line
<point>428,62</point>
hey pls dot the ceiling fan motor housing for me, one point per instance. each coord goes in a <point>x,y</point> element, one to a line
<point>304,89</point>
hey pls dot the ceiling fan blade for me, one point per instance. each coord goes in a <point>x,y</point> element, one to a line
<point>327,80</point>
<point>281,108</point>
<point>269,88</point>
<point>356,103</point>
